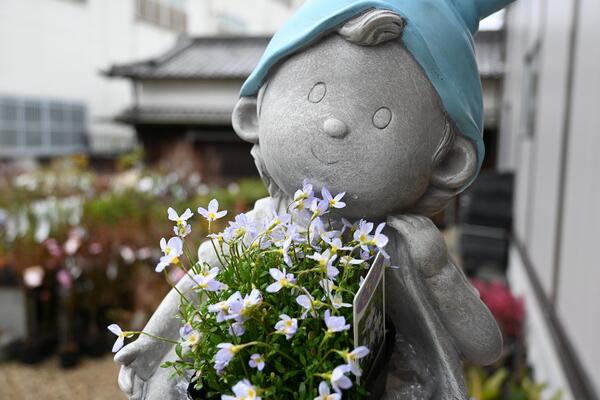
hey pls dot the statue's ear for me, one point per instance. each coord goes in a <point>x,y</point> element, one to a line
<point>245,119</point>
<point>458,167</point>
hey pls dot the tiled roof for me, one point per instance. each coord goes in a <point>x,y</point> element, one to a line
<point>200,58</point>
<point>235,58</point>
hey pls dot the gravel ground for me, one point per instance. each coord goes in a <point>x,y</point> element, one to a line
<point>92,379</point>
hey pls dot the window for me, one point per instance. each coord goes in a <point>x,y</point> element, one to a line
<point>168,14</point>
<point>34,127</point>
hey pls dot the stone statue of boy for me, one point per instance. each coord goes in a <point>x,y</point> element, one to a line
<point>380,99</point>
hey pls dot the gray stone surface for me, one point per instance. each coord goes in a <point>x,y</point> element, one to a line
<point>365,120</point>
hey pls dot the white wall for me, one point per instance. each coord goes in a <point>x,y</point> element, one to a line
<point>578,294</point>
<point>57,48</point>
<point>256,17</point>
<point>213,94</point>
<point>554,221</point>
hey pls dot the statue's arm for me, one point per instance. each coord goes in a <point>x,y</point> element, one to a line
<point>140,359</point>
<point>467,319</point>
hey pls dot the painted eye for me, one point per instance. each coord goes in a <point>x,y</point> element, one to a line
<point>317,93</point>
<point>382,118</point>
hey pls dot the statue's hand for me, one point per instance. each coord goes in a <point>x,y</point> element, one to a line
<point>139,360</point>
<point>423,243</point>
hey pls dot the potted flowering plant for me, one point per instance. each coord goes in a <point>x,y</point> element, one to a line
<point>274,319</point>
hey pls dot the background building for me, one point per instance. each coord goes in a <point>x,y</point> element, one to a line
<point>549,138</point>
<point>53,99</point>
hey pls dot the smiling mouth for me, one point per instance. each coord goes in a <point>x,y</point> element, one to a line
<point>321,158</point>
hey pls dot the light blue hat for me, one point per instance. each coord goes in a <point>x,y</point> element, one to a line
<point>438,33</point>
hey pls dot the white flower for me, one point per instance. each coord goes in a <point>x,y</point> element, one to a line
<point>334,202</point>
<point>362,233</point>
<point>121,335</point>
<point>179,219</point>
<point>281,280</point>
<point>339,380</point>
<point>337,301</point>
<point>212,213</point>
<point>308,303</point>
<point>305,193</point>
<point>181,228</point>
<point>243,390</point>
<point>325,394</point>
<point>335,244</point>
<point>172,250</point>
<point>325,261</point>
<point>251,300</point>
<point>286,326</point>
<point>191,339</point>
<point>335,324</point>
<point>349,260</point>
<point>327,285</point>
<point>257,361</point>
<point>379,239</point>
<point>352,359</point>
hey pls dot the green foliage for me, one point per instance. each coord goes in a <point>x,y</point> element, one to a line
<point>499,385</point>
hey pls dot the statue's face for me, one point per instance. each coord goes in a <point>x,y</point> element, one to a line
<point>356,119</point>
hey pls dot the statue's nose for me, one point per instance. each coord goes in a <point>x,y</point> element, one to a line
<point>335,128</point>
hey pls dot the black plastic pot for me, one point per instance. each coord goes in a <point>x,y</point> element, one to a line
<point>377,378</point>
<point>68,355</point>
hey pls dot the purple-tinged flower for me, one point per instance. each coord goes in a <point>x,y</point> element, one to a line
<point>185,330</point>
<point>172,250</point>
<point>237,329</point>
<point>318,207</point>
<point>208,282</point>
<point>335,324</point>
<point>225,354</point>
<point>241,228</point>
<point>212,213</point>
<point>282,280</point>
<point>121,335</point>
<point>228,309</point>
<point>257,361</point>
<point>325,261</point>
<point>243,390</point>
<point>339,380</point>
<point>333,202</point>
<point>286,326</point>
<point>325,394</point>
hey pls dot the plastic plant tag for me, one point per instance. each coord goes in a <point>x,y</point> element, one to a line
<point>369,313</point>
